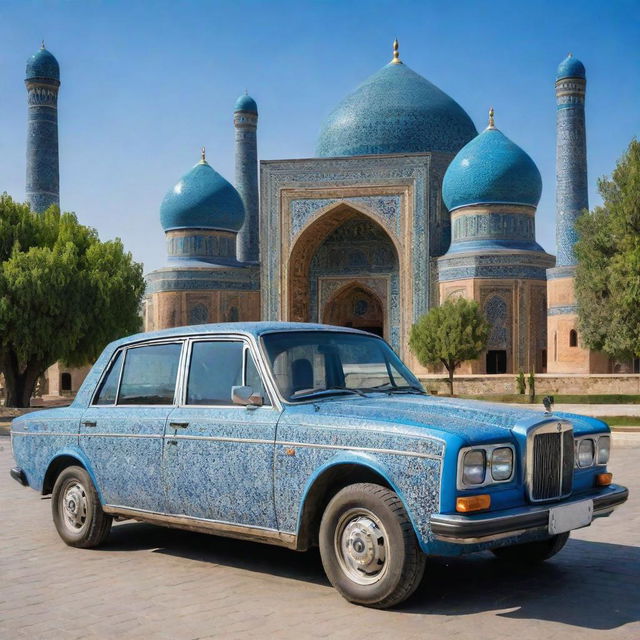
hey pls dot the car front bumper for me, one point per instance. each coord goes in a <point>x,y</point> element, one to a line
<point>486,527</point>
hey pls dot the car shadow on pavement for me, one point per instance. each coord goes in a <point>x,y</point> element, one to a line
<point>250,556</point>
<point>593,585</point>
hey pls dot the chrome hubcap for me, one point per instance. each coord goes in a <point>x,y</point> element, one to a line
<point>74,506</point>
<point>360,545</point>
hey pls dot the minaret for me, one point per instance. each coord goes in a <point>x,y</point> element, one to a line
<point>43,176</point>
<point>245,120</point>
<point>565,352</point>
<point>571,156</point>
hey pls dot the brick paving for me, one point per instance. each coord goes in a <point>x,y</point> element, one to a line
<point>150,582</point>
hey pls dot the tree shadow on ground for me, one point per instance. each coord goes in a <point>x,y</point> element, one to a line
<point>593,585</point>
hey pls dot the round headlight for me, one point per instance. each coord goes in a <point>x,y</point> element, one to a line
<point>473,466</point>
<point>501,463</point>
<point>604,447</point>
<point>586,451</point>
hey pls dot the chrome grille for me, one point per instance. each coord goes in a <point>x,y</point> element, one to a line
<point>550,453</point>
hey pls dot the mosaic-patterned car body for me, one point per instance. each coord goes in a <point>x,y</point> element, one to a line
<point>265,471</point>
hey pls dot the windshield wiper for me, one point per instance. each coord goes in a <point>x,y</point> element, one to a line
<point>392,388</point>
<point>330,391</point>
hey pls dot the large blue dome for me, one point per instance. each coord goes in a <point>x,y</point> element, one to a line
<point>491,170</point>
<point>202,199</point>
<point>395,110</point>
<point>42,64</point>
<point>570,67</point>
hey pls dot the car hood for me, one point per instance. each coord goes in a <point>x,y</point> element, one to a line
<point>472,420</point>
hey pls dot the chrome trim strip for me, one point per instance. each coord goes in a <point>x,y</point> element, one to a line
<point>203,525</point>
<point>413,454</point>
<point>491,538</point>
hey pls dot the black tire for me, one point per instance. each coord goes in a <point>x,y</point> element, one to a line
<point>368,546</point>
<point>76,510</point>
<point>532,552</point>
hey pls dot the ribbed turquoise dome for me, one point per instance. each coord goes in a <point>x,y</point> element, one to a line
<point>491,170</point>
<point>202,199</point>
<point>246,103</point>
<point>42,64</point>
<point>570,67</point>
<point>395,110</point>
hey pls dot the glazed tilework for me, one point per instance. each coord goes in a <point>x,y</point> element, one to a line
<point>568,309</point>
<point>388,208</point>
<point>402,194</point>
<point>395,111</point>
<point>246,160</point>
<point>256,467</point>
<point>572,196</point>
<point>524,265</point>
<point>43,174</point>
<point>190,278</point>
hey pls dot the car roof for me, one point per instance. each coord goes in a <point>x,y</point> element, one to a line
<point>246,328</point>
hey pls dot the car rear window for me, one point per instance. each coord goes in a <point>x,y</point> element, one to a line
<point>149,375</point>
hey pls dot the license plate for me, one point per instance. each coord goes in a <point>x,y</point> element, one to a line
<point>570,516</point>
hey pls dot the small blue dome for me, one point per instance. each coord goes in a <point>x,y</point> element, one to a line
<point>202,199</point>
<point>395,110</point>
<point>570,67</point>
<point>246,103</point>
<point>42,64</point>
<point>491,170</point>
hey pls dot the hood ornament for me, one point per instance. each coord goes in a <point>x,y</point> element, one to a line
<point>547,401</point>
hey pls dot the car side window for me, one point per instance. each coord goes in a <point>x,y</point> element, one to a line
<point>149,375</point>
<point>108,390</point>
<point>215,367</point>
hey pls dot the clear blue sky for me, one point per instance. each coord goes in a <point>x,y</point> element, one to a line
<point>146,84</point>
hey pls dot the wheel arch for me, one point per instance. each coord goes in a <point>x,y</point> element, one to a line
<point>66,458</point>
<point>327,480</point>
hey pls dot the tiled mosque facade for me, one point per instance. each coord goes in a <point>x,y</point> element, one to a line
<point>405,205</point>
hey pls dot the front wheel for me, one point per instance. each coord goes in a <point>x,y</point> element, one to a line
<point>368,547</point>
<point>76,510</point>
<point>532,552</point>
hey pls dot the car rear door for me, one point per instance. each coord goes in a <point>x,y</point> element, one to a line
<point>122,431</point>
<point>218,456</point>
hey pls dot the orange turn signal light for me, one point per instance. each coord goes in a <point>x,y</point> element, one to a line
<point>604,479</point>
<point>473,503</point>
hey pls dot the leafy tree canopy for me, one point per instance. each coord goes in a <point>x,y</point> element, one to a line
<point>63,294</point>
<point>450,334</point>
<point>608,271</point>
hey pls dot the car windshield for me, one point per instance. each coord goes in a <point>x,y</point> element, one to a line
<point>316,364</point>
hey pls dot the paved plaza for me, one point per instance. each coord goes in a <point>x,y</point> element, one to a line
<point>150,582</point>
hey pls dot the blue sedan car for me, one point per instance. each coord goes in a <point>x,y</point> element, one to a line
<point>301,435</point>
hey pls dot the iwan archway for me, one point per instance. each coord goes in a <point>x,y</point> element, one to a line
<point>344,270</point>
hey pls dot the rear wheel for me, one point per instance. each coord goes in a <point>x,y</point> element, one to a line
<point>532,552</point>
<point>76,510</point>
<point>368,547</point>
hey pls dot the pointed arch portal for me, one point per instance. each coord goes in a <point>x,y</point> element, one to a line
<point>344,270</point>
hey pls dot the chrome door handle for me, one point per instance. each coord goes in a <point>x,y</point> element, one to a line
<point>179,425</point>
<point>89,423</point>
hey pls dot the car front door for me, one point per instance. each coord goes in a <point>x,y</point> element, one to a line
<point>218,456</point>
<point>122,431</point>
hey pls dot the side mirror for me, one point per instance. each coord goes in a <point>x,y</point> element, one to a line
<point>245,397</point>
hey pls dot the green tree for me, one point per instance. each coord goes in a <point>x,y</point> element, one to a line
<point>450,334</point>
<point>608,271</point>
<point>63,294</point>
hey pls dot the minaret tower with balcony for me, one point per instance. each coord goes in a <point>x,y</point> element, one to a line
<point>43,176</point>
<point>245,120</point>
<point>565,352</point>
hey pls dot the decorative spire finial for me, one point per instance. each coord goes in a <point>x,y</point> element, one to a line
<point>42,45</point>
<point>396,53</point>
<point>203,156</point>
<point>492,124</point>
